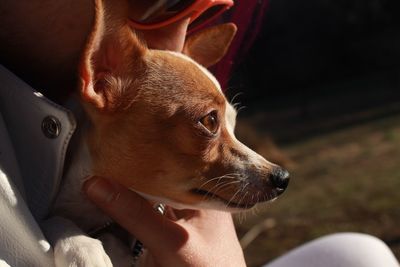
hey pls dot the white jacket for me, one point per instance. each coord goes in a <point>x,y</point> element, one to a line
<point>34,136</point>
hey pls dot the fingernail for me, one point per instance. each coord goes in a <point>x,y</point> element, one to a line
<point>99,189</point>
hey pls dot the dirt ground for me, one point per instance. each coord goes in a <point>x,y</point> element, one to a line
<point>345,180</point>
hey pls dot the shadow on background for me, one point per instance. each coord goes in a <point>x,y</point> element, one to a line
<point>317,60</point>
<point>321,90</point>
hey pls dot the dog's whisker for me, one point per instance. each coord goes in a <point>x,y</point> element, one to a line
<point>224,186</point>
<point>242,190</point>
<point>243,197</point>
<point>216,188</point>
<point>254,210</point>
<point>241,217</point>
<point>235,96</point>
<point>228,175</point>
<point>219,182</point>
<point>235,105</point>
<point>213,179</point>
<point>233,197</point>
<point>219,178</point>
<point>240,109</point>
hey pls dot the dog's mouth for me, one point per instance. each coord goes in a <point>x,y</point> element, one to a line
<point>228,203</point>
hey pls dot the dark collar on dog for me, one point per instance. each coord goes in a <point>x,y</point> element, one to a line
<point>136,247</point>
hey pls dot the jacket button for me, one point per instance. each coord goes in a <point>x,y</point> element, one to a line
<point>51,127</point>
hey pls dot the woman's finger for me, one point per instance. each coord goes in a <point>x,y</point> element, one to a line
<point>135,214</point>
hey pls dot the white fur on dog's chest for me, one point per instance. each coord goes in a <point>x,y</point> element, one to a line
<point>71,201</point>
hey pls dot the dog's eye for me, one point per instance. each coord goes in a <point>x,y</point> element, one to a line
<point>210,122</point>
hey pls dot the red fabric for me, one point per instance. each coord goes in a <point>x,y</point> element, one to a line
<point>248,16</point>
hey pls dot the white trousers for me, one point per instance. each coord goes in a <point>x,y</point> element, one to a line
<point>339,250</point>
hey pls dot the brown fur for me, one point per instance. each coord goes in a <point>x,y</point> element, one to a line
<point>146,108</point>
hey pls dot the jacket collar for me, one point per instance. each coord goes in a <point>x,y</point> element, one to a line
<point>40,132</point>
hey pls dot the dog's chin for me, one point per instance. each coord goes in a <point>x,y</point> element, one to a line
<point>166,201</point>
<point>221,203</point>
<point>207,201</point>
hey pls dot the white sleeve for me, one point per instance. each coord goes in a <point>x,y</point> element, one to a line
<point>22,243</point>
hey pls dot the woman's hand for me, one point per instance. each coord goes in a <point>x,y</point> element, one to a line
<point>181,238</point>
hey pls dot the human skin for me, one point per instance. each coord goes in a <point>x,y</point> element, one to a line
<point>41,42</point>
<point>181,238</point>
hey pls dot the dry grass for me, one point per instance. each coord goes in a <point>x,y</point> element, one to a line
<point>347,180</point>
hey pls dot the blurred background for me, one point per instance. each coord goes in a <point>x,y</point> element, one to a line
<point>319,94</point>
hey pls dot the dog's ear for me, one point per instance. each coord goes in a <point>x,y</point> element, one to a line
<point>208,46</point>
<point>108,63</point>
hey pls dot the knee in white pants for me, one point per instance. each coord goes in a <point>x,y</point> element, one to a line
<point>339,250</point>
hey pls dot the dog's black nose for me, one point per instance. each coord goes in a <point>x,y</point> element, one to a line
<point>280,179</point>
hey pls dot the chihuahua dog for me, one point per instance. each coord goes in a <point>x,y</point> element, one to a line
<point>158,124</point>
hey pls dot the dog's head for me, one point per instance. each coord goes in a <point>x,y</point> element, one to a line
<point>161,125</point>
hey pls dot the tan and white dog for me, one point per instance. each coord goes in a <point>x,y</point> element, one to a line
<point>159,124</point>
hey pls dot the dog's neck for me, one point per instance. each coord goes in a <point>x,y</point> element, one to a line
<point>71,202</point>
